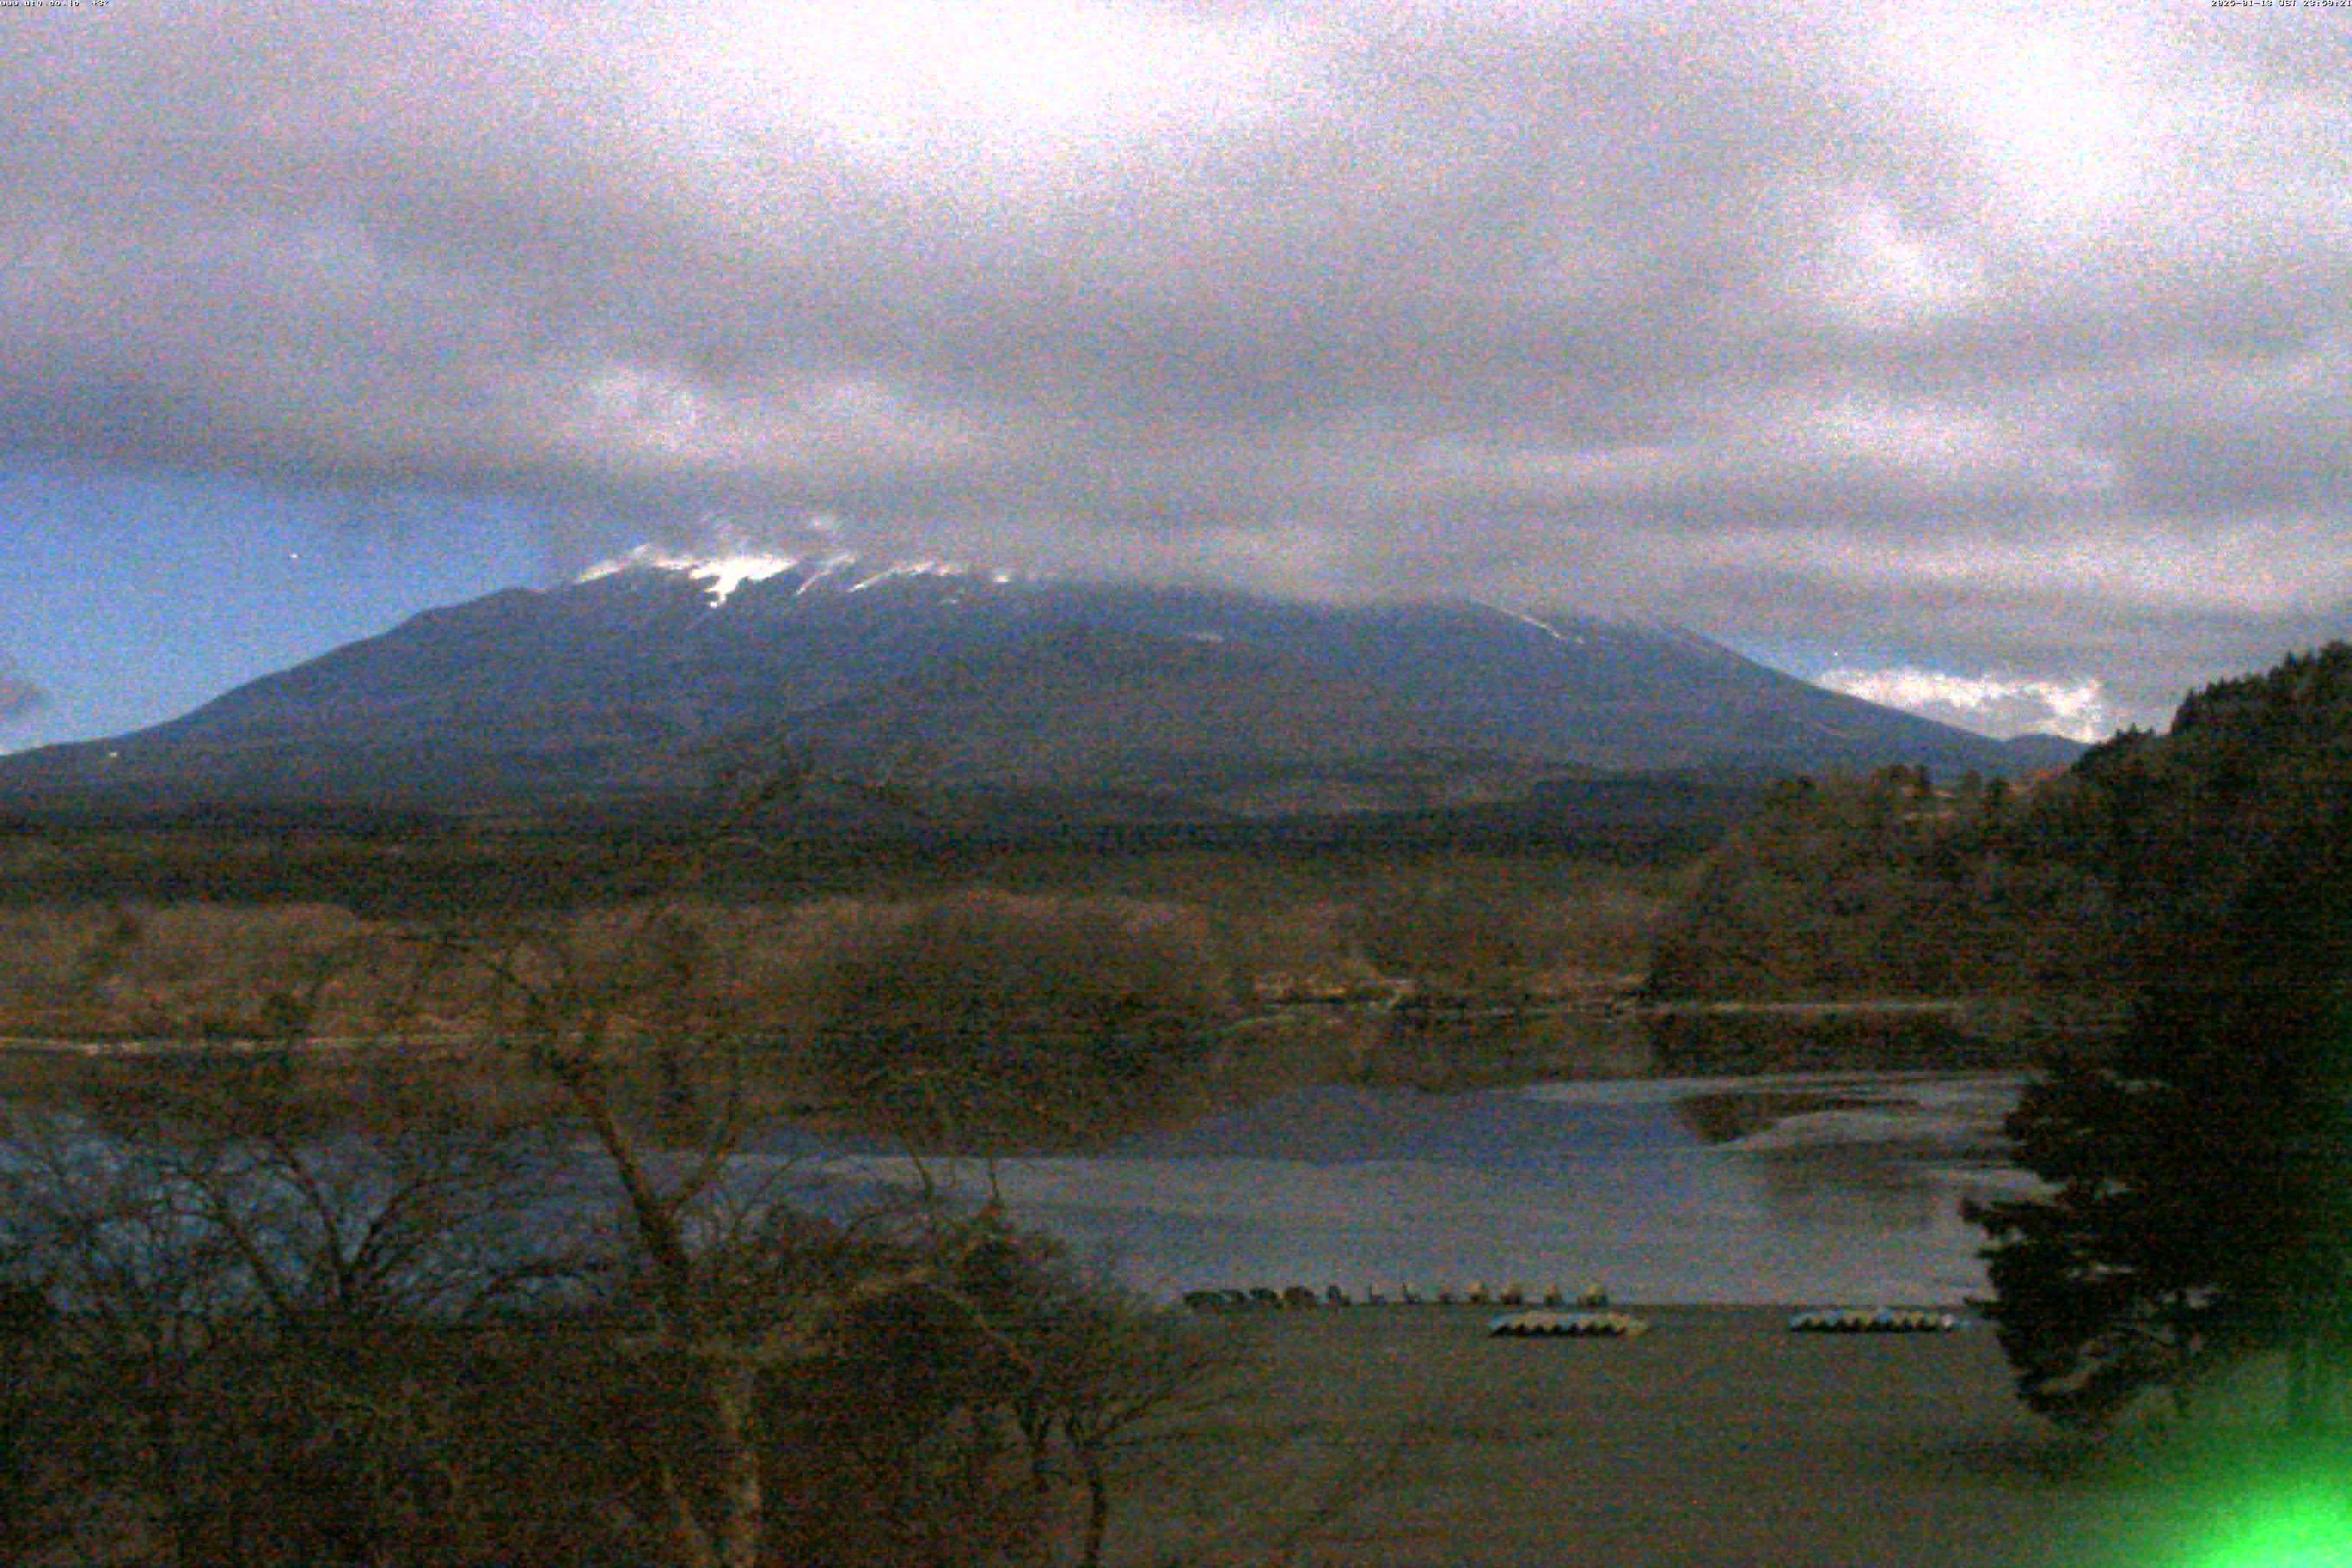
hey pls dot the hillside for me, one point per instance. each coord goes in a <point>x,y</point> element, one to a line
<point>2148,856</point>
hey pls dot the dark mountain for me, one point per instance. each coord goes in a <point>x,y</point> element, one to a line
<point>1164,725</point>
<point>637,684</point>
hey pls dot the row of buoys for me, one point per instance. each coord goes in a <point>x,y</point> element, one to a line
<point>1591,1297</point>
<point>1590,1318</point>
<point>1570,1325</point>
<point>1262,1297</point>
<point>1873,1320</point>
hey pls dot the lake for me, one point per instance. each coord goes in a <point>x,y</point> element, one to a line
<point>1768,1190</point>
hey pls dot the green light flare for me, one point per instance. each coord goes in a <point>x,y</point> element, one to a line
<point>2308,1528</point>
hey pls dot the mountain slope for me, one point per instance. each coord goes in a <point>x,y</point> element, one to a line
<point>632,684</point>
<point>1215,725</point>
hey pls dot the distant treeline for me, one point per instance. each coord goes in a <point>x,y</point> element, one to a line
<point>402,865</point>
<point>1892,886</point>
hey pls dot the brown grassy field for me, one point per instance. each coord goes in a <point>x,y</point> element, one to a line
<point>1222,927</point>
<point>1146,994</point>
<point>1403,1438</point>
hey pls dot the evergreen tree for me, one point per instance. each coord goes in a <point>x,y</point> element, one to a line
<point>2201,1168</point>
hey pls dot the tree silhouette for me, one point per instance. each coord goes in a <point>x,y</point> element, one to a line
<point>2200,1209</point>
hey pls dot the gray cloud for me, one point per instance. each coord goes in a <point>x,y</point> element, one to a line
<point>2018,341</point>
<point>19,697</point>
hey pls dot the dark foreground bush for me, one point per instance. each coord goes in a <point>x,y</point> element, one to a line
<point>422,1343</point>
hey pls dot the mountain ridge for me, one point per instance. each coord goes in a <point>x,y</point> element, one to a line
<point>638,681</point>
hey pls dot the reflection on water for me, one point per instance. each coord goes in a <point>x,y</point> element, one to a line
<point>1873,1185</point>
<point>1840,1189</point>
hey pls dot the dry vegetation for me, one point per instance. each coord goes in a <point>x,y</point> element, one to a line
<point>235,1332</point>
<point>1051,1003</point>
<point>192,970</point>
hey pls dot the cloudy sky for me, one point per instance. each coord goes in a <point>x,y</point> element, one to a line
<point>1994,360</point>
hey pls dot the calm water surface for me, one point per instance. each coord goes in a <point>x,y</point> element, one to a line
<point>1819,1189</point>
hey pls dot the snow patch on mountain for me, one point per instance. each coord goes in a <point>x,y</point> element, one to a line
<point>1544,627</point>
<point>720,575</point>
<point>912,569</point>
<point>841,561</point>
